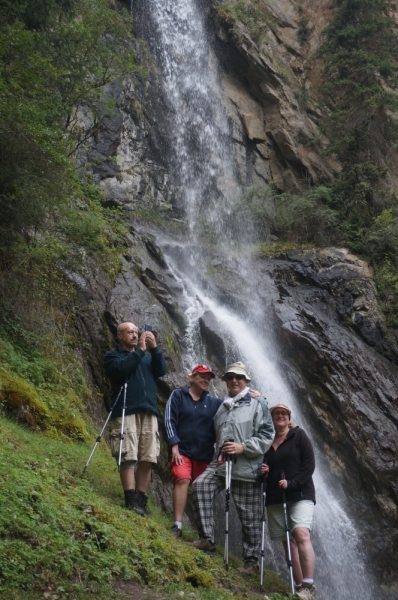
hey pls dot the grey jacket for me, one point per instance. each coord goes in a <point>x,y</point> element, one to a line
<point>249,423</point>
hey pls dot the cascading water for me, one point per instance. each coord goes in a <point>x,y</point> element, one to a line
<point>203,167</point>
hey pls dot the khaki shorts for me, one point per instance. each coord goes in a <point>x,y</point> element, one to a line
<point>300,514</point>
<point>141,438</point>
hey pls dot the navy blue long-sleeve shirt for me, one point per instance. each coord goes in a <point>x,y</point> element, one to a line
<point>189,423</point>
<point>140,369</point>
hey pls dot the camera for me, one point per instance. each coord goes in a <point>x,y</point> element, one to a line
<point>148,328</point>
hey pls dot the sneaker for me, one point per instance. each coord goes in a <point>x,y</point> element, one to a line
<point>250,567</point>
<point>176,531</point>
<point>307,591</point>
<point>205,544</point>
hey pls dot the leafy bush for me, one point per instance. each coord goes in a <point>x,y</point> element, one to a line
<point>307,217</point>
<point>46,75</point>
<point>360,55</point>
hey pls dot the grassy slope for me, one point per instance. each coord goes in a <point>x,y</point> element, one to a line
<point>69,535</point>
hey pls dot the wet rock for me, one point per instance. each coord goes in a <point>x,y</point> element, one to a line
<point>210,331</point>
<point>345,289</point>
<point>155,252</point>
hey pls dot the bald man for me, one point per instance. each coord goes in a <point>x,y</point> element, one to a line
<point>139,361</point>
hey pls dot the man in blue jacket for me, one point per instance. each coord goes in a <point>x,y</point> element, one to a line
<point>189,432</point>
<point>139,361</point>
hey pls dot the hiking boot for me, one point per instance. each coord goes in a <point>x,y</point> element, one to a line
<point>307,591</point>
<point>205,544</point>
<point>176,531</point>
<point>142,504</point>
<point>133,501</point>
<point>250,567</point>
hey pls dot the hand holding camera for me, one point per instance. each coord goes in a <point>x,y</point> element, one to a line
<point>147,340</point>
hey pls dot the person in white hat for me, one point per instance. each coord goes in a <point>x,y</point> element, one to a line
<point>247,421</point>
<point>288,466</point>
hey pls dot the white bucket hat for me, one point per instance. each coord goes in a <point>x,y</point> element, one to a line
<point>238,368</point>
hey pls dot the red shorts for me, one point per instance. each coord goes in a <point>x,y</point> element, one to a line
<point>191,469</point>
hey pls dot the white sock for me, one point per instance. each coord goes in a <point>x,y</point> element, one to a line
<point>179,524</point>
<point>308,580</point>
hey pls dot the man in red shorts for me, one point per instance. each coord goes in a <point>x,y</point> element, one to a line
<point>189,432</point>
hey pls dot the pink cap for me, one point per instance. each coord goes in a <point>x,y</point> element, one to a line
<point>280,406</point>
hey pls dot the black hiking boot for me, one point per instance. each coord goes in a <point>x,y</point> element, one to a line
<point>142,502</point>
<point>132,501</point>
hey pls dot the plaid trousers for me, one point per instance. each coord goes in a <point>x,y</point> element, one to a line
<point>247,498</point>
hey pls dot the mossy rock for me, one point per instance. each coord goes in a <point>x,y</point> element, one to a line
<point>200,578</point>
<point>20,401</point>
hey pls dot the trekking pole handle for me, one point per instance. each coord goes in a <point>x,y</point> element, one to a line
<point>265,475</point>
<point>227,456</point>
<point>282,476</point>
<point>233,457</point>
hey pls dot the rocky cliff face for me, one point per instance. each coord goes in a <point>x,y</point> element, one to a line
<point>323,303</point>
<point>269,83</point>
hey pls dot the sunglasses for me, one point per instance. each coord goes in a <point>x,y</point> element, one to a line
<point>231,376</point>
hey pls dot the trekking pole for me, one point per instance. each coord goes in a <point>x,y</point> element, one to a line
<point>228,478</point>
<point>263,532</point>
<point>227,497</point>
<point>97,441</point>
<point>289,551</point>
<point>119,462</point>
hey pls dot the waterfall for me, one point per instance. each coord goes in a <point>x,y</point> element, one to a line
<point>202,165</point>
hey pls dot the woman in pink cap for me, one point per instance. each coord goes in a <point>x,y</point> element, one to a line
<point>288,466</point>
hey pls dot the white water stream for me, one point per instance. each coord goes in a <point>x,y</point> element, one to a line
<point>202,163</point>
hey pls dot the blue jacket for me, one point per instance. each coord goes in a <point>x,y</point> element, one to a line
<point>190,424</point>
<point>141,369</point>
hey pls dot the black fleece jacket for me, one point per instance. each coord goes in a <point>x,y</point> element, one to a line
<point>295,457</point>
<point>139,369</point>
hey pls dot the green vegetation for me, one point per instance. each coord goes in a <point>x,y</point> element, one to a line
<point>360,54</point>
<point>251,13</point>
<point>301,219</point>
<point>65,534</point>
<point>55,58</point>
